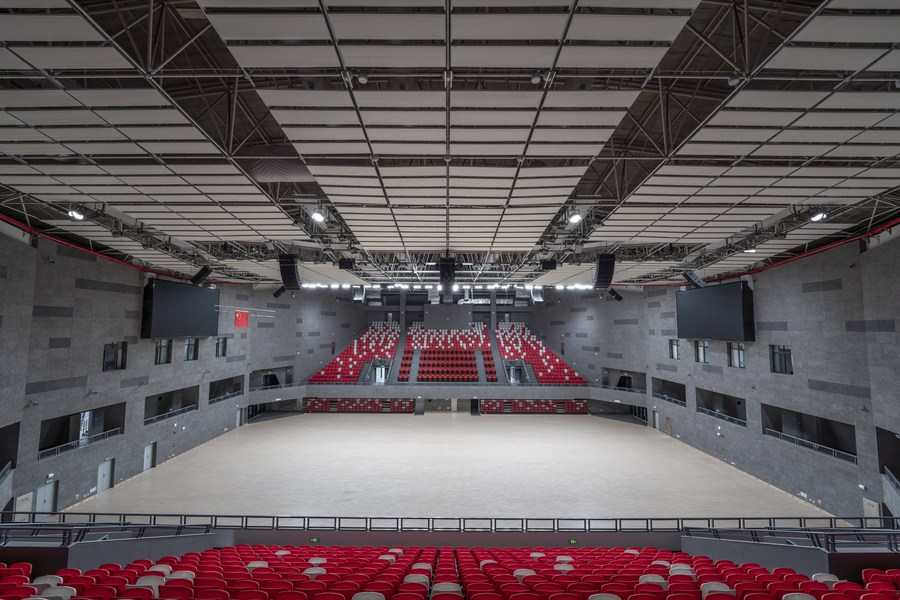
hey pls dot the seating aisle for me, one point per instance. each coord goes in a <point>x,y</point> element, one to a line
<point>378,341</point>
<point>446,355</point>
<point>517,342</point>
<point>393,573</point>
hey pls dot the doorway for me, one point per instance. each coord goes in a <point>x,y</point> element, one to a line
<point>105,475</point>
<point>150,455</point>
<point>655,420</point>
<point>45,499</point>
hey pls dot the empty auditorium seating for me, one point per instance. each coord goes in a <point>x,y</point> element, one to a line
<point>447,355</point>
<point>568,407</point>
<point>517,342</point>
<point>360,405</point>
<point>378,341</point>
<point>262,572</point>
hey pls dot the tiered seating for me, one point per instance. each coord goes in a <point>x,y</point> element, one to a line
<point>568,407</point>
<point>365,573</point>
<point>447,354</point>
<point>517,342</point>
<point>378,341</point>
<point>367,405</point>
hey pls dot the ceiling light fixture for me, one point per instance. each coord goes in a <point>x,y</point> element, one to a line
<point>318,215</point>
<point>819,215</point>
<point>750,250</point>
<point>537,78</point>
<point>574,216</point>
<point>362,78</point>
<point>76,215</point>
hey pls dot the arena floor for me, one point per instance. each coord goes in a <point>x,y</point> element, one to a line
<point>447,465</point>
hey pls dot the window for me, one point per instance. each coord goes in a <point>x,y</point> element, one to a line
<point>162,354</point>
<point>221,346</point>
<point>781,360</point>
<point>736,355</point>
<point>191,348</point>
<point>673,349</point>
<point>114,356</point>
<point>701,351</point>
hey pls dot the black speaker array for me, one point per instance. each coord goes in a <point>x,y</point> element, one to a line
<point>606,268</point>
<point>201,275</point>
<point>290,277</point>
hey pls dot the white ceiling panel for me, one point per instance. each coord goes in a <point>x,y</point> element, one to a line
<point>508,26</point>
<point>270,26</point>
<point>46,28</point>
<point>776,99</point>
<point>611,57</point>
<point>823,59</point>
<point>36,98</point>
<point>403,99</point>
<point>144,116</point>
<point>285,57</point>
<point>70,57</point>
<point>522,118</point>
<point>861,100</point>
<point>763,118</point>
<point>397,57</point>
<point>856,29</point>
<point>399,26</point>
<point>612,27</point>
<point>493,99</point>
<point>422,118</point>
<point>316,117</point>
<point>483,134</point>
<point>500,57</point>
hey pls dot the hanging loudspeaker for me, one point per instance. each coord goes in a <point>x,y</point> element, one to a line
<point>606,267</point>
<point>289,275</point>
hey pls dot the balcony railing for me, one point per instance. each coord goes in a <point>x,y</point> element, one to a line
<point>623,389</point>
<point>259,388</point>
<point>826,450</point>
<point>224,397</point>
<point>78,443</point>
<point>170,414</point>
<point>677,401</point>
<point>892,479</point>
<point>722,416</point>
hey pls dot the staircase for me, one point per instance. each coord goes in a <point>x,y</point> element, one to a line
<point>385,406</point>
<point>398,356</point>
<point>561,407</point>
<point>502,376</point>
<point>479,364</point>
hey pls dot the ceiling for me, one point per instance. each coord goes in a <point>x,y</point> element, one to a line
<point>683,132</point>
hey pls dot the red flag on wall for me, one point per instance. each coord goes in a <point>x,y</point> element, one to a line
<point>241,319</point>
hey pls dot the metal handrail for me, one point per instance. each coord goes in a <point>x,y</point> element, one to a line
<point>828,539</point>
<point>170,414</point>
<point>74,445</point>
<point>821,449</point>
<point>69,534</point>
<point>260,388</point>
<point>224,397</point>
<point>722,416</point>
<point>677,401</point>
<point>5,472</point>
<point>892,479</point>
<point>465,524</point>
<point>623,389</point>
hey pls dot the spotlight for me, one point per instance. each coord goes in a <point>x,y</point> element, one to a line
<point>537,78</point>
<point>750,250</point>
<point>734,81</point>
<point>318,215</point>
<point>819,215</point>
<point>574,217</point>
<point>75,215</point>
<point>614,295</point>
<point>362,78</point>
<point>277,293</point>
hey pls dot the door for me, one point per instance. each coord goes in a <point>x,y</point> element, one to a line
<point>105,475</point>
<point>150,455</point>
<point>237,418</point>
<point>669,425</point>
<point>24,504</point>
<point>45,499</point>
<point>655,420</point>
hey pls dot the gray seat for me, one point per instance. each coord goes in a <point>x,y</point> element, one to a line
<point>564,559</point>
<point>60,591</point>
<point>47,581</point>
<point>603,597</point>
<point>182,575</point>
<point>521,574</point>
<point>446,588</point>
<point>367,596</point>
<point>486,562</point>
<point>423,566</point>
<point>798,596</point>
<point>316,561</point>
<point>397,551</point>
<point>564,567</point>
<point>313,572</point>
<point>715,587</point>
<point>282,552</point>
<point>388,557</point>
<point>537,555</point>
<point>656,579</point>
<point>413,578</point>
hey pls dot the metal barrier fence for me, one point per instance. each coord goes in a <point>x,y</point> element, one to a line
<point>722,416</point>
<point>169,415</point>
<point>832,452</point>
<point>67,534</point>
<point>828,539</point>
<point>78,443</point>
<point>456,524</point>
<point>677,401</point>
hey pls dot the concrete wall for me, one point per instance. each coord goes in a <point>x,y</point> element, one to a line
<point>59,306</point>
<point>837,311</point>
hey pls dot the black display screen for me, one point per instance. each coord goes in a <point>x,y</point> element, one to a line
<point>179,310</point>
<point>716,312</point>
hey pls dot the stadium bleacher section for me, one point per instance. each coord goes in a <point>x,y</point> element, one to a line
<point>526,407</point>
<point>261,572</point>
<point>447,355</point>
<point>517,342</point>
<point>357,405</point>
<point>378,341</point>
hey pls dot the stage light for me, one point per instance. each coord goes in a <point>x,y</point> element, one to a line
<point>362,78</point>
<point>76,215</point>
<point>817,216</point>
<point>318,215</point>
<point>574,217</point>
<point>750,250</point>
<point>537,78</point>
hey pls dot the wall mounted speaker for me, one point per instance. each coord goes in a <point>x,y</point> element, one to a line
<point>693,279</point>
<point>201,275</point>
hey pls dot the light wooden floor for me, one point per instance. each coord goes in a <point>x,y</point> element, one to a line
<point>447,465</point>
